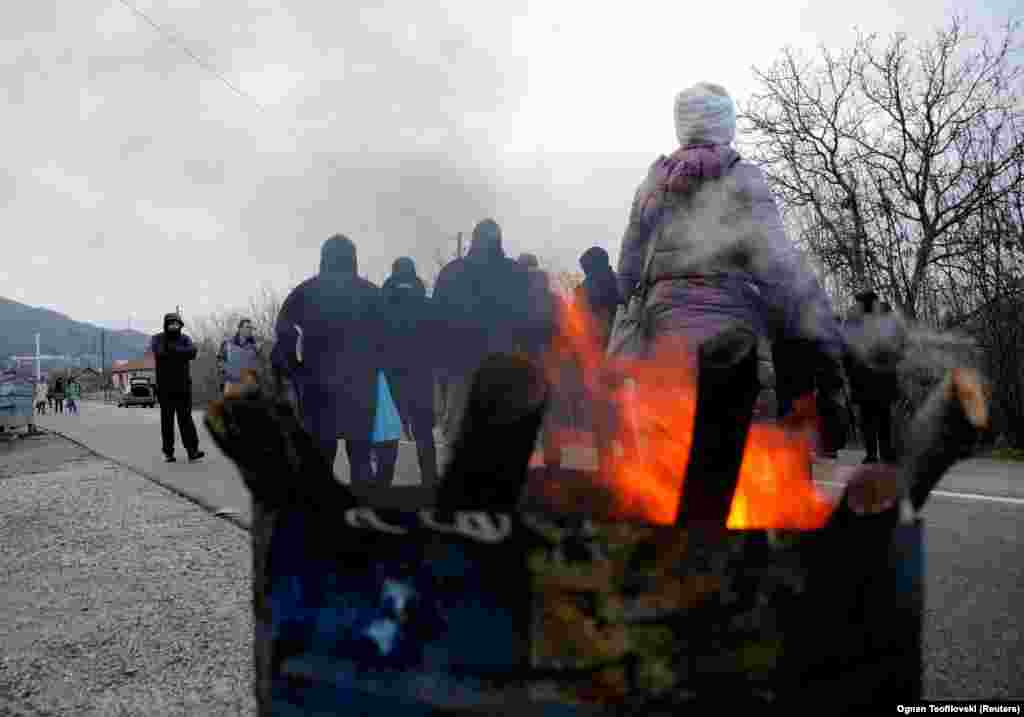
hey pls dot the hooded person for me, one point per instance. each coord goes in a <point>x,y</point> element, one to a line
<point>408,360</point>
<point>706,242</point>
<point>482,301</point>
<point>599,293</point>
<point>329,333</point>
<point>538,334</point>
<point>173,350</point>
<point>599,290</point>
<point>876,344</point>
<point>540,308</point>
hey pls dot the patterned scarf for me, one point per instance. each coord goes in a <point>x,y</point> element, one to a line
<point>683,173</point>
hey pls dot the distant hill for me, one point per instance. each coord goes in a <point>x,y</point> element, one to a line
<point>61,335</point>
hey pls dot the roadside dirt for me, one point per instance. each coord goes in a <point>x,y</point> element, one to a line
<point>119,598</point>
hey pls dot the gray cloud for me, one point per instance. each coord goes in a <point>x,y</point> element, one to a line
<point>397,126</point>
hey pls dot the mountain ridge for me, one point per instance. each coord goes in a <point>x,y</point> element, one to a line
<point>62,335</point>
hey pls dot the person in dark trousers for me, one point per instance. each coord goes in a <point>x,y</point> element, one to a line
<point>601,295</point>
<point>58,394</point>
<point>173,351</point>
<point>874,349</point>
<point>408,358</point>
<point>329,342</point>
<point>482,304</point>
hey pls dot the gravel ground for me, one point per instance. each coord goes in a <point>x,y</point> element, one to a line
<point>119,598</point>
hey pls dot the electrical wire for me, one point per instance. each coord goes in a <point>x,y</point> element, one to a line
<point>170,38</point>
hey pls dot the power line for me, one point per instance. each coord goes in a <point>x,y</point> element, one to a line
<point>204,64</point>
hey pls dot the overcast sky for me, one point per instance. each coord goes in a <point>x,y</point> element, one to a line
<point>132,179</point>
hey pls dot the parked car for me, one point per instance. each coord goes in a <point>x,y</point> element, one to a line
<point>141,392</point>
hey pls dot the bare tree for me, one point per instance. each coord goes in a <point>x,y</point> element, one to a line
<point>893,149</point>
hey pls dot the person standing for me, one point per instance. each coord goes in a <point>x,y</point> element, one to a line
<point>73,392</point>
<point>599,291</point>
<point>239,358</point>
<point>58,395</point>
<point>601,296</point>
<point>173,351</point>
<point>41,397</point>
<point>329,334</point>
<point>408,359</point>
<point>481,301</point>
<point>706,246</point>
<point>875,344</point>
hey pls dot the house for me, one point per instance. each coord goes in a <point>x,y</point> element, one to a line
<point>123,371</point>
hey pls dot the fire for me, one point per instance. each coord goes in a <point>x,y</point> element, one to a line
<point>655,401</point>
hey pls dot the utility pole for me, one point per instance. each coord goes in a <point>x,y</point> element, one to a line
<point>459,250</point>
<point>39,370</point>
<point>103,361</point>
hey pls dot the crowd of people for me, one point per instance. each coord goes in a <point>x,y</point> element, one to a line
<point>66,393</point>
<point>704,246</point>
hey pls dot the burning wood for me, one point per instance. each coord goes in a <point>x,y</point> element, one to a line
<point>948,421</point>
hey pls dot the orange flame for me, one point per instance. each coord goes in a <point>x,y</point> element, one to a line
<point>655,403</point>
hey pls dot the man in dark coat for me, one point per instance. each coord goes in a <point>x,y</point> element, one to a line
<point>482,301</point>
<point>329,334</point>
<point>408,358</point>
<point>173,350</point>
<point>876,346</point>
<point>600,290</point>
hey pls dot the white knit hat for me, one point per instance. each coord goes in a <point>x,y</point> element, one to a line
<point>705,114</point>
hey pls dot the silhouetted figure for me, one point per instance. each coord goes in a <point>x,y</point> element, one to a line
<point>173,351</point>
<point>482,302</point>
<point>875,344</point>
<point>409,358</point>
<point>58,394</point>
<point>334,365</point>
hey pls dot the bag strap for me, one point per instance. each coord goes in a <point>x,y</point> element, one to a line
<point>645,277</point>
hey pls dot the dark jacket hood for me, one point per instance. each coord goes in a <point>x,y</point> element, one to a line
<point>486,244</point>
<point>168,318</point>
<point>338,256</point>
<point>601,285</point>
<point>404,284</point>
<point>594,260</point>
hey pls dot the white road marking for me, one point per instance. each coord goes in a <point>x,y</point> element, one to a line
<point>949,494</point>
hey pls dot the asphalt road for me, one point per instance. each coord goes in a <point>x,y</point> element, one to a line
<point>975,562</point>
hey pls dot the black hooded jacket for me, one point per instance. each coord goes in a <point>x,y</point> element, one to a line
<point>600,288</point>
<point>340,316</point>
<point>482,300</point>
<point>408,320</point>
<point>172,352</point>
<point>410,345</point>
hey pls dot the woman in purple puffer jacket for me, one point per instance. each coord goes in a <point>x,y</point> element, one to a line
<point>721,261</point>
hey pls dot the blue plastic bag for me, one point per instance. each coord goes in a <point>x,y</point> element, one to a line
<point>387,424</point>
